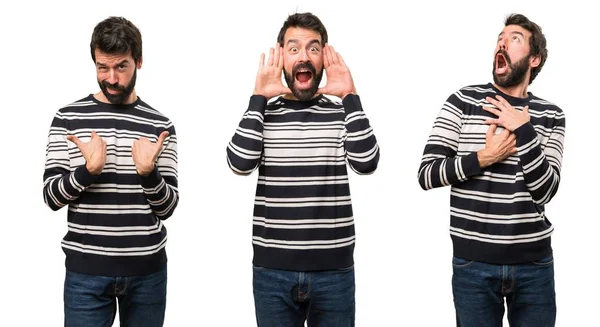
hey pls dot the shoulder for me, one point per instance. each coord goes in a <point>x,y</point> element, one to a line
<point>80,105</point>
<point>145,110</point>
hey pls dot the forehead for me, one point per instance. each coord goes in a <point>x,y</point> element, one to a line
<point>510,29</point>
<point>301,35</point>
<point>112,58</point>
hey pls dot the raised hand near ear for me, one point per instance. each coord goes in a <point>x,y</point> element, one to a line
<point>268,79</point>
<point>339,79</point>
<point>93,151</point>
<point>144,153</point>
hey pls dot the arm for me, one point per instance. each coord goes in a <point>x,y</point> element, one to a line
<point>541,165</point>
<point>160,185</point>
<point>439,165</point>
<point>61,185</point>
<point>245,148</point>
<point>361,146</point>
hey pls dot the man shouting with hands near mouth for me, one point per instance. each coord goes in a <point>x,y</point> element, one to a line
<point>303,226</point>
<point>113,160</point>
<point>500,148</point>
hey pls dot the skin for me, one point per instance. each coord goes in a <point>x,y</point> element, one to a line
<point>303,45</point>
<point>515,41</point>
<point>118,68</point>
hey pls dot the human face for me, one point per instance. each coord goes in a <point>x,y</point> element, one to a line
<point>512,59</point>
<point>116,75</point>
<point>302,61</point>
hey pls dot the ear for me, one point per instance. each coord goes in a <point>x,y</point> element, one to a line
<point>139,63</point>
<point>534,61</point>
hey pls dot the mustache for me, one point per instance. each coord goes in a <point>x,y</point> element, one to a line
<point>304,65</point>
<point>114,87</point>
<point>505,54</point>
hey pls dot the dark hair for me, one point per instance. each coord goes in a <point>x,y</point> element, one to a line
<point>303,20</point>
<point>117,35</point>
<point>537,42</point>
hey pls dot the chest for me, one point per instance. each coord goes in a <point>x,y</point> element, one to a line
<point>304,134</point>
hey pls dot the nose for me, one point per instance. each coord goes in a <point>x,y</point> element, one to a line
<point>502,44</point>
<point>112,77</point>
<point>303,56</point>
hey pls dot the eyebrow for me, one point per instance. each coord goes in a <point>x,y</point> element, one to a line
<point>124,61</point>
<point>309,43</point>
<point>513,32</point>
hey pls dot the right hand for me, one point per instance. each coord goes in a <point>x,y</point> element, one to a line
<point>497,147</point>
<point>268,79</point>
<point>93,151</point>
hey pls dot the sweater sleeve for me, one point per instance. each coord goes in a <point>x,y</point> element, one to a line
<point>362,150</point>
<point>440,165</point>
<point>161,185</point>
<point>246,146</point>
<point>62,185</point>
<point>541,163</point>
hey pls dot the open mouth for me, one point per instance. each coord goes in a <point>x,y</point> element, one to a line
<point>304,77</point>
<point>501,64</point>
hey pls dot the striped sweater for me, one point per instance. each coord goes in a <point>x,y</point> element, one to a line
<point>303,218</point>
<point>496,214</point>
<point>115,219</point>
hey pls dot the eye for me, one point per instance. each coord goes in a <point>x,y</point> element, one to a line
<point>102,69</point>
<point>294,49</point>
<point>314,49</point>
<point>122,67</point>
<point>516,38</point>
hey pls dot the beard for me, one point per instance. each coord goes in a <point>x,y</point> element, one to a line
<point>516,74</point>
<point>307,94</point>
<point>124,91</point>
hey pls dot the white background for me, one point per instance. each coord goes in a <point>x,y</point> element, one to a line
<point>199,70</point>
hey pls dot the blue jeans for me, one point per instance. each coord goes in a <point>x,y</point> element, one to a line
<point>479,290</point>
<point>289,298</point>
<point>92,300</point>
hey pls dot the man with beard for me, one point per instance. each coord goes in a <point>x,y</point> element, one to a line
<point>113,160</point>
<point>500,148</point>
<point>303,226</point>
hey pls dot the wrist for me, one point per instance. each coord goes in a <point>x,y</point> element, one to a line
<point>145,171</point>
<point>92,170</point>
<point>353,91</point>
<point>484,158</point>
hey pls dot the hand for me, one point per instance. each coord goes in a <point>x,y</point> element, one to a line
<point>144,153</point>
<point>508,117</point>
<point>268,80</point>
<point>94,152</point>
<point>339,79</point>
<point>497,147</point>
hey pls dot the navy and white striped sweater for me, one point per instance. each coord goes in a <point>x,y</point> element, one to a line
<point>115,219</point>
<point>497,214</point>
<point>303,219</point>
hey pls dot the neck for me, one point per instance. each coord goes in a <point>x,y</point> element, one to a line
<point>290,96</point>
<point>102,98</point>
<point>517,91</point>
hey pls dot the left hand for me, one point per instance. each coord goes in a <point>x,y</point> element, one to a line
<point>339,79</point>
<point>145,153</point>
<point>508,117</point>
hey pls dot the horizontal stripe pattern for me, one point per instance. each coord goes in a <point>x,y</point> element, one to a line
<point>302,202</point>
<point>117,213</point>
<point>501,207</point>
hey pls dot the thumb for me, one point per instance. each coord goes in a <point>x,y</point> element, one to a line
<point>161,138</point>
<point>323,90</point>
<point>526,110</point>
<point>286,90</point>
<point>75,140</point>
